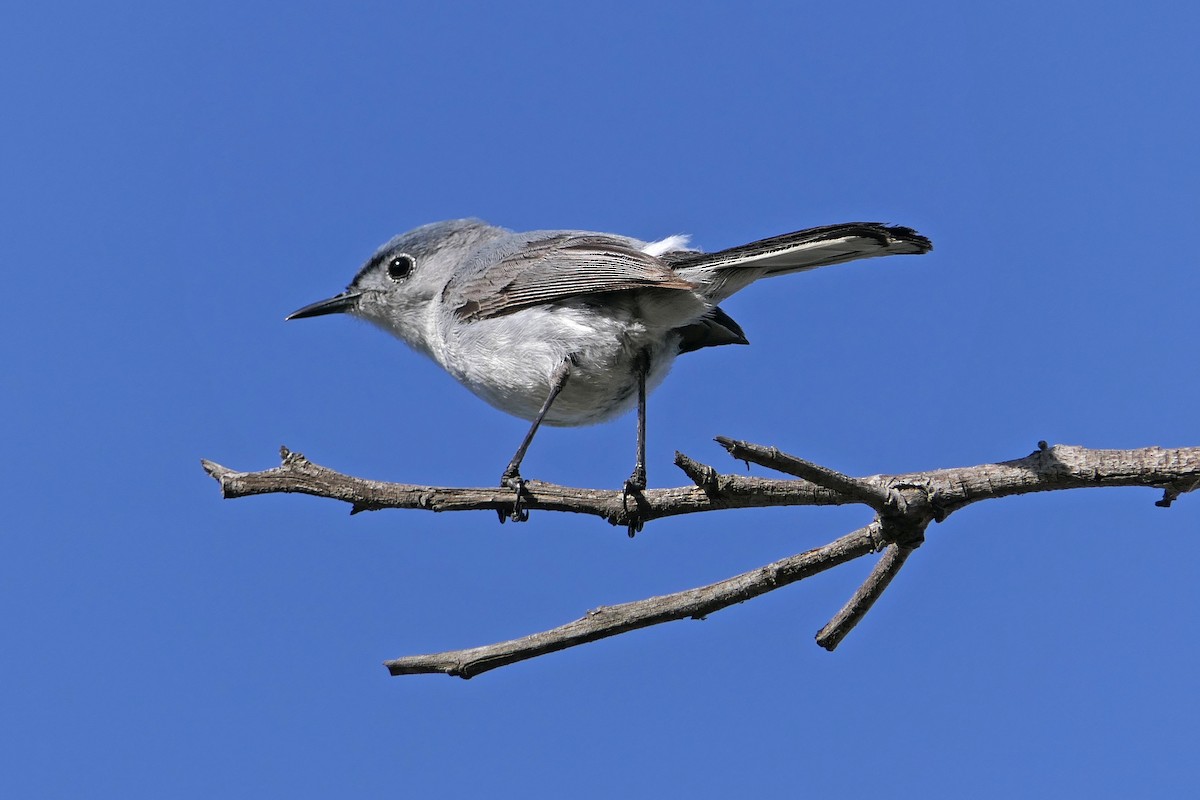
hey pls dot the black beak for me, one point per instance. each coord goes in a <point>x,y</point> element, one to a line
<point>340,304</point>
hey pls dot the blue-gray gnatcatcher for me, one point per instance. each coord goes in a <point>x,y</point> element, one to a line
<point>572,327</point>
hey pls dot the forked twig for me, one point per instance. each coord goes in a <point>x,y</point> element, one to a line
<point>904,505</point>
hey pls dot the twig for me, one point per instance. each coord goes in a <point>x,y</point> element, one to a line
<point>702,475</point>
<point>860,603</point>
<point>854,490</point>
<point>612,620</point>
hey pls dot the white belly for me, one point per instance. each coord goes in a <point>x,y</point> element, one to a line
<point>510,361</point>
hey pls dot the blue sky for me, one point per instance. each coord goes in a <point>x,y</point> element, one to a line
<point>176,180</point>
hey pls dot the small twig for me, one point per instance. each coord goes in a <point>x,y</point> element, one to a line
<point>860,603</point>
<point>612,620</point>
<point>702,475</point>
<point>1172,491</point>
<point>853,489</point>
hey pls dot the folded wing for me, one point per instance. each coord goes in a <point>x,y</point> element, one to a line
<point>556,268</point>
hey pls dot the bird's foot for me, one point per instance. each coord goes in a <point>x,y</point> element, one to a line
<point>634,487</point>
<point>518,512</point>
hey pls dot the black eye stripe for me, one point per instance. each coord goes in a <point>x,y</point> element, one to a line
<point>400,266</point>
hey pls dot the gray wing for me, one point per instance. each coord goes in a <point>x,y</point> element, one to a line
<point>807,249</point>
<point>545,268</point>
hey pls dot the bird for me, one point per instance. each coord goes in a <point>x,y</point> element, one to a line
<point>572,327</point>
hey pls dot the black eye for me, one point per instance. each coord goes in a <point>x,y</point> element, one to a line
<point>400,266</point>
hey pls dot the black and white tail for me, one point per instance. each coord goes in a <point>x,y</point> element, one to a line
<point>727,271</point>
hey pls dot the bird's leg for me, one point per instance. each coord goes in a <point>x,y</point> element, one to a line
<point>637,481</point>
<point>511,479</point>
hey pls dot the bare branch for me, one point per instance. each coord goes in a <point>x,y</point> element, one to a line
<point>856,491</point>
<point>857,607</point>
<point>947,490</point>
<point>905,505</point>
<point>298,474</point>
<point>1062,467</point>
<point>612,620</point>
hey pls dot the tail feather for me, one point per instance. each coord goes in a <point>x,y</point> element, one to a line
<point>714,329</point>
<point>807,249</point>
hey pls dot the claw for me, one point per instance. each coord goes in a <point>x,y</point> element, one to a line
<point>634,486</point>
<point>636,481</point>
<point>518,513</point>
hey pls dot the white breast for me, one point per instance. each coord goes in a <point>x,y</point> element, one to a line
<point>510,360</point>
